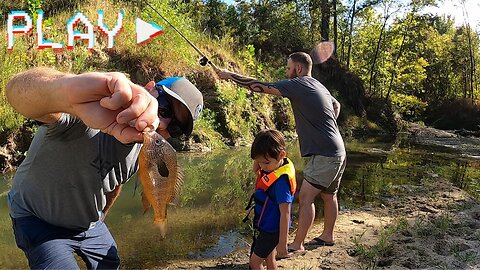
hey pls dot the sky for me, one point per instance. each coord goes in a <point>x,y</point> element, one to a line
<point>455,9</point>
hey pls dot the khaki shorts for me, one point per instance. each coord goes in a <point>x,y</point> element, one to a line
<point>325,173</point>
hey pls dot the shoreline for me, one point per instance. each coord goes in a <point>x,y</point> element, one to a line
<point>428,226</point>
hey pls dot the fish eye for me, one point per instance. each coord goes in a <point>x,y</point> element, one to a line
<point>158,141</point>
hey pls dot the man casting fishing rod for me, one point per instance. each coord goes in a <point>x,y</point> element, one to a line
<point>315,111</point>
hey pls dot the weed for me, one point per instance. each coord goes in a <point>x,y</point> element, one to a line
<point>444,267</point>
<point>443,223</point>
<point>372,255</point>
<point>303,267</point>
<point>466,257</point>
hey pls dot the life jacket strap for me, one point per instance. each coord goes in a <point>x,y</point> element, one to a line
<point>249,208</point>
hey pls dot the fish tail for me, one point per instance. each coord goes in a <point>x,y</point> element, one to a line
<point>162,225</point>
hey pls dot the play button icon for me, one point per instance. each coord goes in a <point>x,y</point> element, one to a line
<point>146,31</point>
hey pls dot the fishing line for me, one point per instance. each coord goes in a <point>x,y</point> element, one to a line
<point>204,60</point>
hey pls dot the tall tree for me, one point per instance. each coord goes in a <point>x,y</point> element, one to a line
<point>325,21</point>
<point>335,25</point>
<point>355,10</point>
<point>470,51</point>
<point>350,31</point>
<point>215,15</point>
<point>415,6</point>
<point>388,5</point>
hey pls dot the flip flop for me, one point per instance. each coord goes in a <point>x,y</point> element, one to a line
<point>319,242</point>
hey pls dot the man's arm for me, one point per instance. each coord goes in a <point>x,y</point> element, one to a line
<point>248,82</point>
<point>336,107</point>
<point>37,94</point>
<point>105,101</point>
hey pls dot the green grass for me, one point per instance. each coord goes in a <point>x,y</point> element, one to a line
<point>370,255</point>
<point>466,257</point>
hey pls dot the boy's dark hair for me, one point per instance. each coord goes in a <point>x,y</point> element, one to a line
<point>302,58</point>
<point>268,143</point>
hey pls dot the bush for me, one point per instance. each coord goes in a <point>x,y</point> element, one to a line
<point>455,114</point>
<point>409,107</point>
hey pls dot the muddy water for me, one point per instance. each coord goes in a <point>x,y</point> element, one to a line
<point>206,221</point>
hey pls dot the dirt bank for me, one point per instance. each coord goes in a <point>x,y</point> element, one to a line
<point>430,226</point>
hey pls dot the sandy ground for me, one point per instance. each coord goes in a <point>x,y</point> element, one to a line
<point>430,226</point>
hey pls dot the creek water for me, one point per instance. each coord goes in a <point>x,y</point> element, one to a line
<point>206,220</point>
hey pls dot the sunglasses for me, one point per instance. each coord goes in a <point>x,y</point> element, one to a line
<point>165,110</point>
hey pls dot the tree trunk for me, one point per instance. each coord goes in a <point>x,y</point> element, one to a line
<point>350,33</point>
<point>335,25</point>
<point>472,64</point>
<point>400,52</point>
<point>314,22</point>
<point>377,51</point>
<point>325,24</point>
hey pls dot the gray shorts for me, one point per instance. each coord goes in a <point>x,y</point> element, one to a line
<point>325,173</point>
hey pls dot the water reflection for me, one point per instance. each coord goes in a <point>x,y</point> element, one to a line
<point>206,221</point>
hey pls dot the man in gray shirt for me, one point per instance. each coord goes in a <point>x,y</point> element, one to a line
<point>315,112</point>
<point>86,147</point>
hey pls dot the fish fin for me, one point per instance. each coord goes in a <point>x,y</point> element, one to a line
<point>146,203</point>
<point>178,186</point>
<point>162,169</point>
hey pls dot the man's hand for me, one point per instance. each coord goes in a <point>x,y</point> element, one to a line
<point>223,73</point>
<point>109,101</point>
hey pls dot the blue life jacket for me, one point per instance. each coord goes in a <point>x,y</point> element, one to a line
<point>266,210</point>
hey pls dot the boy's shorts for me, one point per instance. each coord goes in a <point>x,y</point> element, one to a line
<point>325,173</point>
<point>265,244</point>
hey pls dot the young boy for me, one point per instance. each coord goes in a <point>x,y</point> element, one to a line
<point>274,192</point>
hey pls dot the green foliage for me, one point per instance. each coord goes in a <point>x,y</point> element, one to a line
<point>238,113</point>
<point>248,58</point>
<point>205,130</point>
<point>410,107</point>
<point>10,64</point>
<point>33,6</point>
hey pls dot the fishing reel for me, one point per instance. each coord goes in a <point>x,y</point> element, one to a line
<point>203,61</point>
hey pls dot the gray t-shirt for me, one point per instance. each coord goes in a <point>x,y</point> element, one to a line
<point>316,125</point>
<point>67,171</point>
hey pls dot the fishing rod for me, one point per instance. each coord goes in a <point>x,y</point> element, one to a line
<point>204,60</point>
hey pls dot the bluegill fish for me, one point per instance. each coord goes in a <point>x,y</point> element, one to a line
<point>160,177</point>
